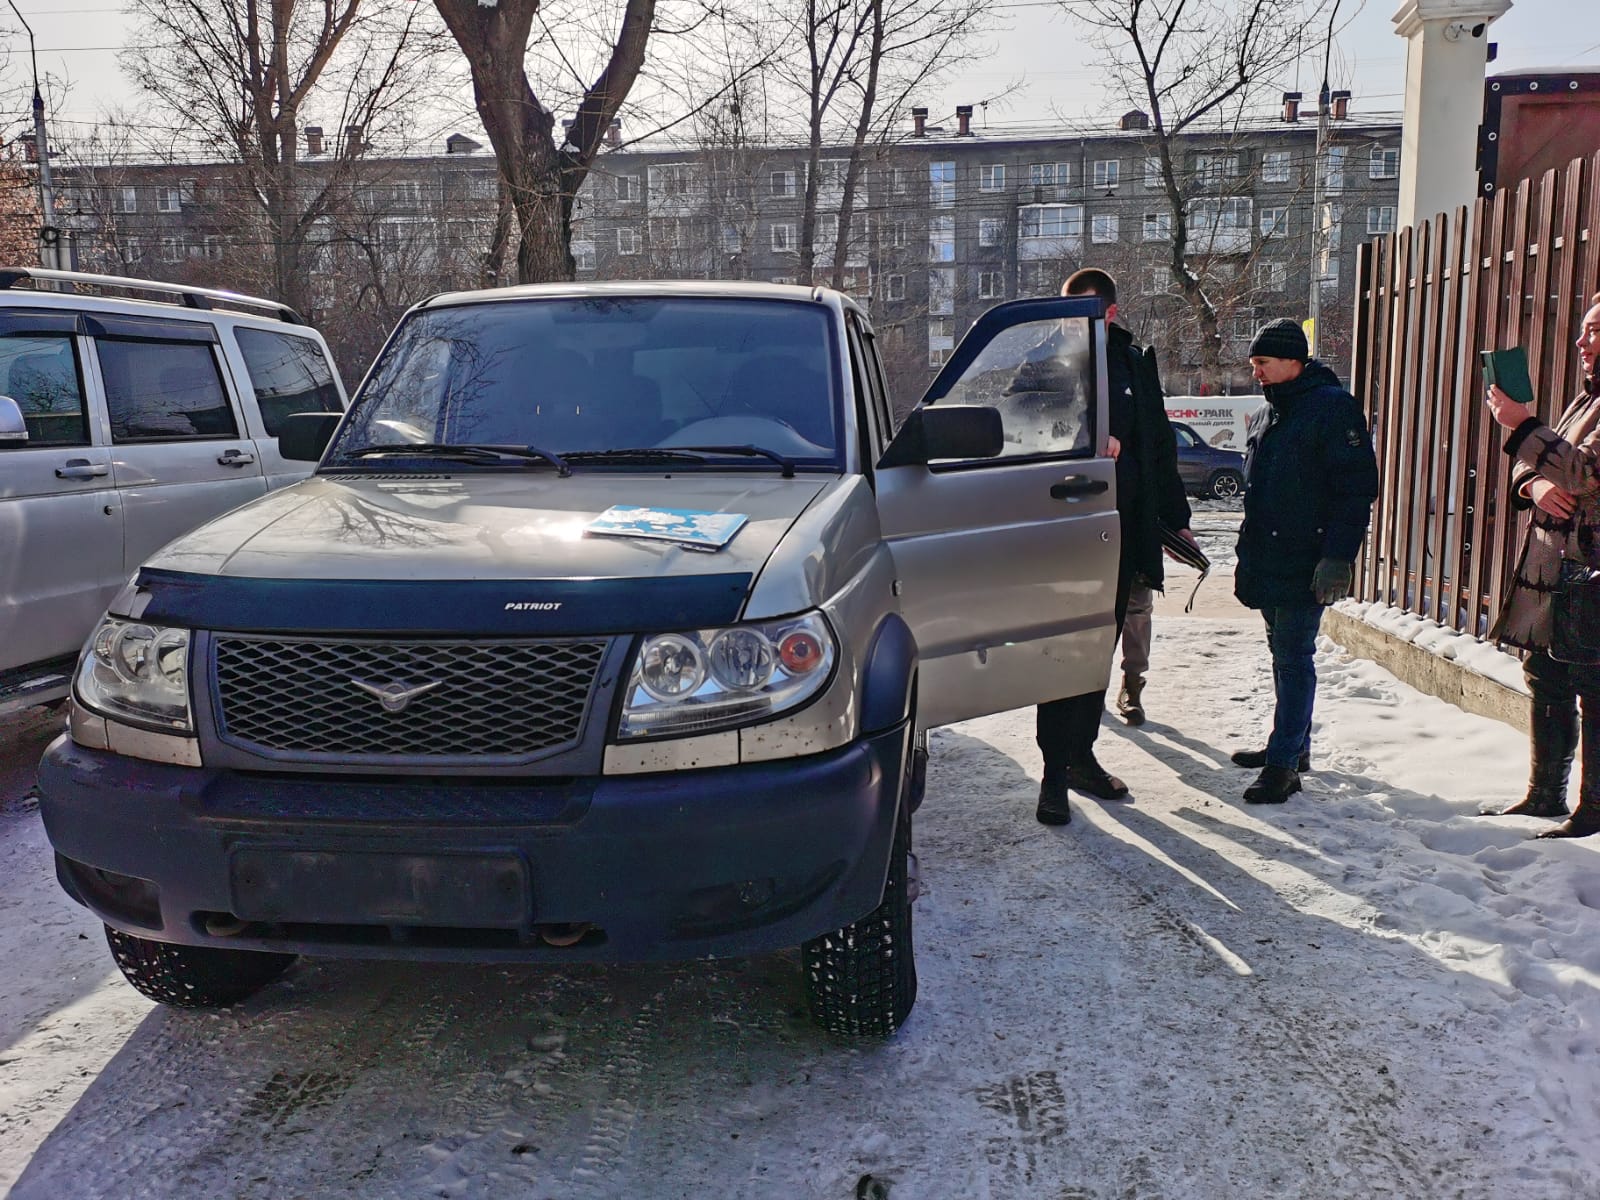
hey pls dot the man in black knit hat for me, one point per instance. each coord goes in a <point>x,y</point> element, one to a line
<point>1310,480</point>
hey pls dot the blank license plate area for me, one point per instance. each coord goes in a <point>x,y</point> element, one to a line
<point>357,888</point>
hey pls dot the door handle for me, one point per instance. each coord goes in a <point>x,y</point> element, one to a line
<point>235,458</point>
<point>81,468</point>
<point>1077,485</point>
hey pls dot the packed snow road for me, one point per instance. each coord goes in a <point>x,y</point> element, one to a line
<point>1367,992</point>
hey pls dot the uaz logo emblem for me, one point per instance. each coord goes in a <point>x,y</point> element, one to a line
<point>395,696</point>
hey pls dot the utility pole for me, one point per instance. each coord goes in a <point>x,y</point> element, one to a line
<point>49,232</point>
<point>1318,190</point>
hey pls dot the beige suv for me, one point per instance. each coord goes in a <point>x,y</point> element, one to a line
<point>128,417</point>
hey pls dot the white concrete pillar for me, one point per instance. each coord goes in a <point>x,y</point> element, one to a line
<point>1447,49</point>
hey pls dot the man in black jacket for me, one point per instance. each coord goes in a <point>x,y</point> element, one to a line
<point>1149,492</point>
<point>1310,480</point>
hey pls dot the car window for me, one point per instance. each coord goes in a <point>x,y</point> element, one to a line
<point>40,372</point>
<point>1040,376</point>
<point>164,391</point>
<point>1186,437</point>
<point>289,374</point>
<point>600,373</point>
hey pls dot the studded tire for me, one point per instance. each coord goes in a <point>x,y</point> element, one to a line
<point>861,980</point>
<point>193,976</point>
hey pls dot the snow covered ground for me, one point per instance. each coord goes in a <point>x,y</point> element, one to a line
<point>1369,991</point>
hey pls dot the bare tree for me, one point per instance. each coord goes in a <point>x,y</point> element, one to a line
<point>1197,66</point>
<point>242,75</point>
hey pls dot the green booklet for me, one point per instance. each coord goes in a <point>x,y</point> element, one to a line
<point>1508,370</point>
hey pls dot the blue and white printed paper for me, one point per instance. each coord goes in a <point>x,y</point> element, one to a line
<point>685,526</point>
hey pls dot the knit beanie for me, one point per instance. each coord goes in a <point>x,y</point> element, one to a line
<point>1282,338</point>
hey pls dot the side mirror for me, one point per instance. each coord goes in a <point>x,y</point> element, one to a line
<point>304,436</point>
<point>935,431</point>
<point>13,429</point>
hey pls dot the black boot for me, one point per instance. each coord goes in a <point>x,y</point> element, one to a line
<point>1130,700</point>
<point>1256,759</point>
<point>1585,819</point>
<point>1553,737</point>
<point>1053,807</point>
<point>1273,786</point>
<point>1094,780</point>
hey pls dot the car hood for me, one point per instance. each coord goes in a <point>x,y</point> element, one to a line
<point>485,527</point>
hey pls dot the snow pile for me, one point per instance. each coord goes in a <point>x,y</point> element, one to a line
<point>1475,655</point>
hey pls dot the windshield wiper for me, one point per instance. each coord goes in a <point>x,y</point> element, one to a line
<point>464,452</point>
<point>635,454</point>
<point>752,451</point>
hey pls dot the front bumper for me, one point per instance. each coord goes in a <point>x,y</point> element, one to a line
<point>725,861</point>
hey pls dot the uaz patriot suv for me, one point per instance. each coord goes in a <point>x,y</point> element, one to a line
<point>605,629</point>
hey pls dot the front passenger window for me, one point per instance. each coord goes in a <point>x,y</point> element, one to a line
<point>1040,376</point>
<point>164,391</point>
<point>41,374</point>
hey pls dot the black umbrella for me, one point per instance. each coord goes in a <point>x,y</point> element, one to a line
<point>1189,554</point>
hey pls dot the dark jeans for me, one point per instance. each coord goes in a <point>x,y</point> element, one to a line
<point>1557,688</point>
<point>1066,729</point>
<point>1292,639</point>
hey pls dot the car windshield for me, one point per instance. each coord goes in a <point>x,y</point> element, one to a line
<point>575,375</point>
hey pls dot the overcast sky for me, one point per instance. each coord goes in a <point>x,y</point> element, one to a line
<point>1039,70</point>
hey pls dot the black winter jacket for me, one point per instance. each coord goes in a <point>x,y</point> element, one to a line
<point>1138,409</point>
<point>1310,480</point>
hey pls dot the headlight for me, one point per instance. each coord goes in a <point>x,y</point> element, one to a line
<point>137,673</point>
<point>712,679</point>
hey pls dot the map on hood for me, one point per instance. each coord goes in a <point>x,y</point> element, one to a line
<point>686,526</point>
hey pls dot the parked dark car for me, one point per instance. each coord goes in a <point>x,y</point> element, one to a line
<point>1207,471</point>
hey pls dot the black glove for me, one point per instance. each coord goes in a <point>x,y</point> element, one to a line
<point>1331,580</point>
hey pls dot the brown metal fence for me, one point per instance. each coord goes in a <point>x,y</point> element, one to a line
<point>1428,299</point>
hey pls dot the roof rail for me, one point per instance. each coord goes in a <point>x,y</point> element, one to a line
<point>189,297</point>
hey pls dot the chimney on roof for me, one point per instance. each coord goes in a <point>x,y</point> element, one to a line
<point>1291,107</point>
<point>614,134</point>
<point>1341,105</point>
<point>353,141</point>
<point>1135,119</point>
<point>963,120</point>
<point>313,139</point>
<point>919,122</point>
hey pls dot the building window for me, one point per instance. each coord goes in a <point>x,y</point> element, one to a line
<point>783,279</point>
<point>941,239</point>
<point>1333,169</point>
<point>405,194</point>
<point>783,238</point>
<point>1156,280</point>
<point>1107,173</point>
<point>899,180</point>
<point>894,287</point>
<point>1380,219</point>
<point>171,249</point>
<point>487,187</point>
<point>1104,228</point>
<point>1275,166</point>
<point>992,177</point>
<point>583,254</point>
<point>1215,168</point>
<point>1332,225</point>
<point>895,235</point>
<point>827,231</point>
<point>1052,221</point>
<point>212,246</point>
<point>990,231</point>
<point>666,233</point>
<point>1384,163</point>
<point>783,183</point>
<point>1049,174</point>
<point>942,292</point>
<point>671,179</point>
<point>1152,171</point>
<point>941,340</point>
<point>168,200</point>
<point>942,184</point>
<point>627,241</point>
<point>1274,222</point>
<point>1158,227</point>
<point>991,285</point>
<point>127,200</point>
<point>627,187</point>
<point>731,240</point>
<point>1272,276</point>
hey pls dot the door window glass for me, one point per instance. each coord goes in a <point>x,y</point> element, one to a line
<point>1040,375</point>
<point>289,375</point>
<point>40,372</point>
<point>164,391</point>
<point>1186,439</point>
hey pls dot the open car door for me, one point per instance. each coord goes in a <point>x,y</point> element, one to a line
<point>1007,553</point>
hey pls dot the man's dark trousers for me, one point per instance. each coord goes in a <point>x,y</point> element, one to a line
<point>1292,639</point>
<point>1066,729</point>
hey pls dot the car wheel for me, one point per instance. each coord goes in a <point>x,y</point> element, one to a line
<point>1226,485</point>
<point>861,980</point>
<point>193,976</point>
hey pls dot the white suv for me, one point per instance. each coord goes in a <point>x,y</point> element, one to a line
<point>125,422</point>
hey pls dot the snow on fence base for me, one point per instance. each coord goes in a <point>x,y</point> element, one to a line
<point>1470,674</point>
